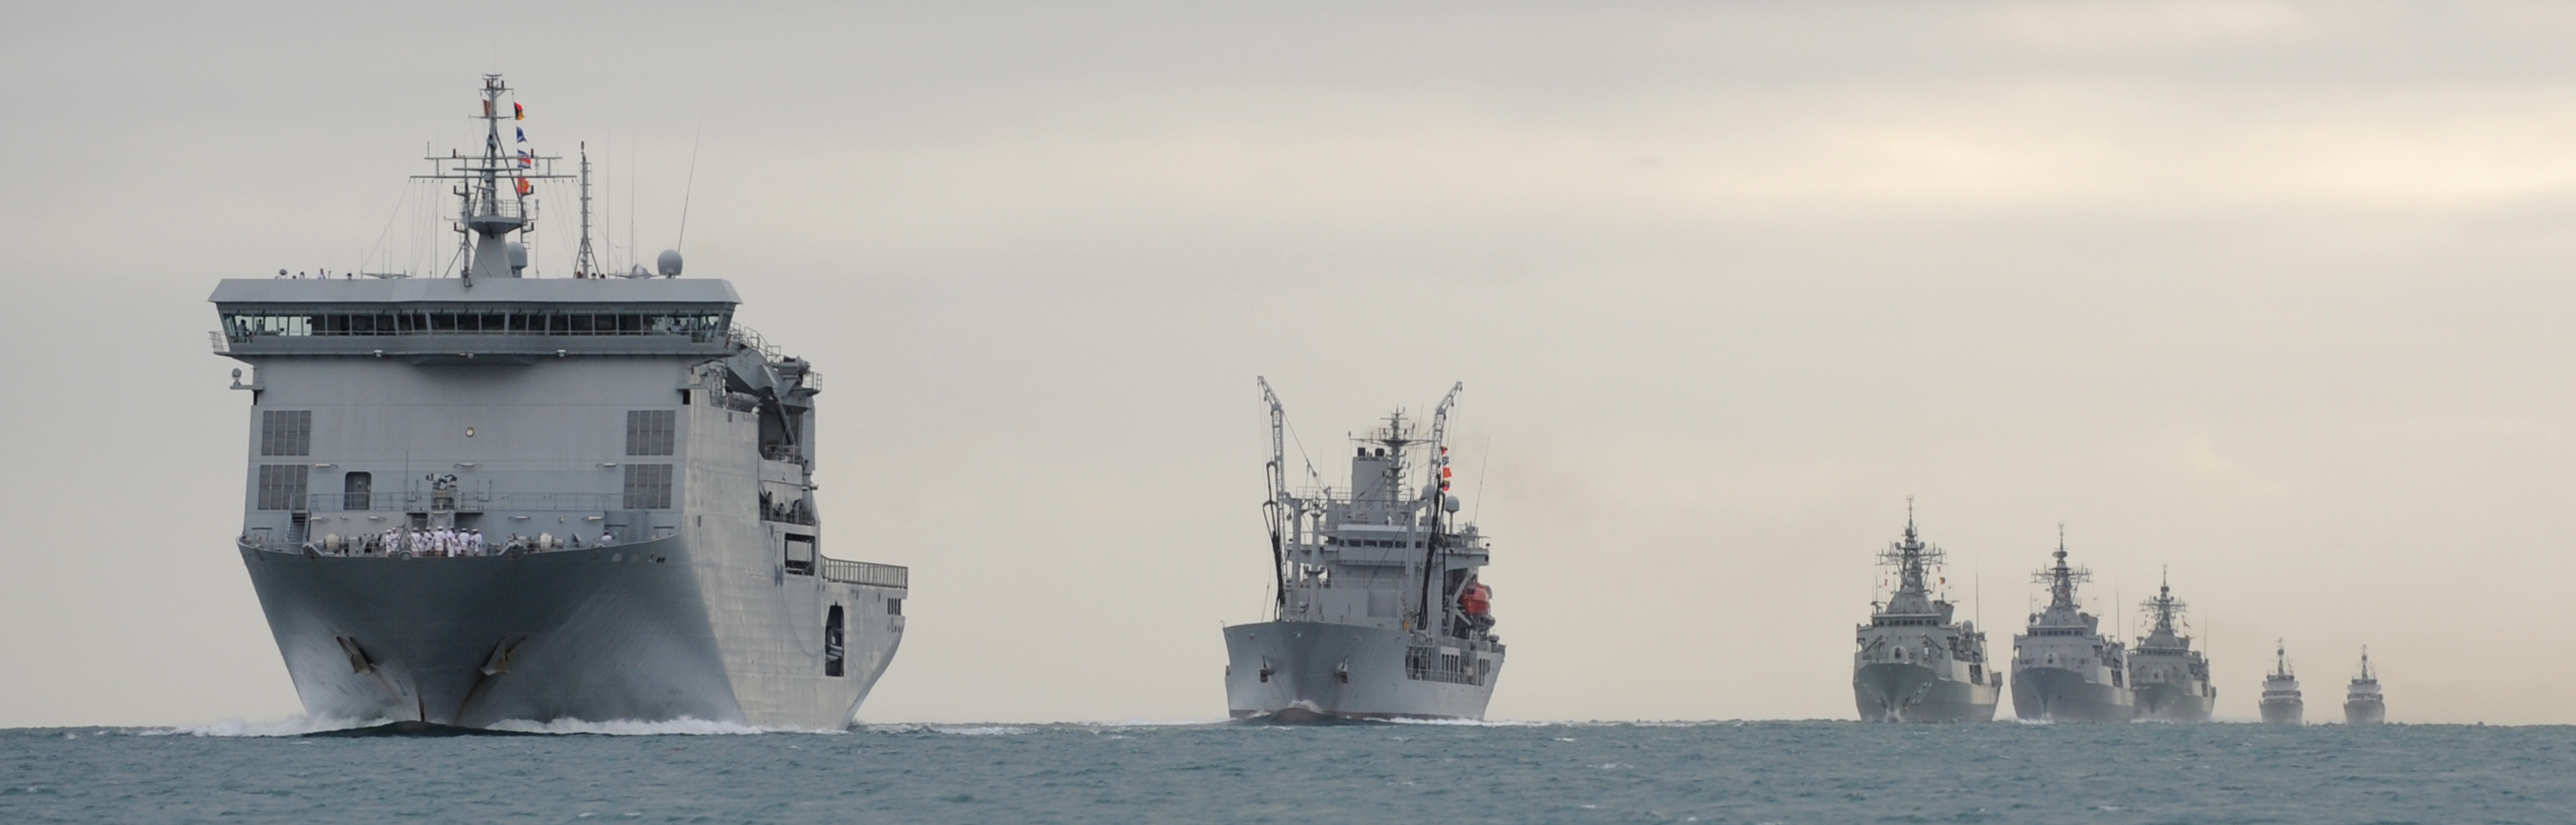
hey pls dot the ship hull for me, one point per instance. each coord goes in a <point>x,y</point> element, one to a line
<point>2048,694</point>
<point>2170,702</point>
<point>1293,671</point>
<point>1890,692</point>
<point>2365,713</point>
<point>620,633</point>
<point>2276,712</point>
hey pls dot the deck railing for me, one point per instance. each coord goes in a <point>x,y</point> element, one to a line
<point>860,572</point>
<point>471,501</point>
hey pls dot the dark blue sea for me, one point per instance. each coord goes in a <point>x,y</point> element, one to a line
<point>1719,772</point>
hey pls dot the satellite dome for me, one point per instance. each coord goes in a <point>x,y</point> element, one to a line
<point>669,263</point>
<point>518,257</point>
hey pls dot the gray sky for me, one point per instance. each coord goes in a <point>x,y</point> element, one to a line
<point>2269,293</point>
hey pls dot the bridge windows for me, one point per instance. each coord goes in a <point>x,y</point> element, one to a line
<point>701,325</point>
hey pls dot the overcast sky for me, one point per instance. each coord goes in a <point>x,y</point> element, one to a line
<point>2270,294</point>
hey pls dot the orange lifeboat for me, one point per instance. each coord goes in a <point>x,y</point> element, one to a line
<point>1477,600</point>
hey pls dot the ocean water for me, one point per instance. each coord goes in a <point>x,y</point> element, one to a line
<point>1718,772</point>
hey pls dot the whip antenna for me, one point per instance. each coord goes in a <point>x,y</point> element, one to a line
<point>682,242</point>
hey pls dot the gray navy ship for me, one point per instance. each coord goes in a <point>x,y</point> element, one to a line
<point>1378,613</point>
<point>2064,668</point>
<point>1915,662</point>
<point>491,497</point>
<point>2282,704</point>
<point>2171,679</point>
<point>2362,704</point>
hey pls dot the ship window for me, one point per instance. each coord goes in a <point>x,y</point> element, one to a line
<point>281,486</point>
<point>894,607</point>
<point>286,432</point>
<point>648,486</point>
<point>800,554</point>
<point>355,489</point>
<point>649,432</point>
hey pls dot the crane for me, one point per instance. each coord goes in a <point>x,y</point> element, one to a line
<point>1279,506</point>
<point>1438,496</point>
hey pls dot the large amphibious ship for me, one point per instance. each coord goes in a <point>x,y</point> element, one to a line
<point>2171,679</point>
<point>2064,669</point>
<point>1915,663</point>
<point>2362,704</point>
<point>1377,610</point>
<point>488,497</point>
<point>2282,704</point>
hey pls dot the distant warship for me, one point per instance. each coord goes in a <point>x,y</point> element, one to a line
<point>2171,679</point>
<point>2281,702</point>
<point>2361,702</point>
<point>1914,663</point>
<point>1378,613</point>
<point>2064,669</point>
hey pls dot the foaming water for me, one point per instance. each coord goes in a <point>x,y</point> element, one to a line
<point>1597,772</point>
<point>290,726</point>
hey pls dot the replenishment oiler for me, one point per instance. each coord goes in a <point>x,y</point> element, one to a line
<point>487,497</point>
<point>1915,662</point>
<point>1377,611</point>
<point>2171,679</point>
<point>2064,668</point>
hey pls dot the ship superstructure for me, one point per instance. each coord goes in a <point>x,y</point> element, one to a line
<point>2282,704</point>
<point>1915,661</point>
<point>489,497</point>
<point>2171,679</point>
<point>2362,704</point>
<point>1377,610</point>
<point>2064,668</point>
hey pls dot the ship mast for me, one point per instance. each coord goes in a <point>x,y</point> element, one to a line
<point>2061,578</point>
<point>485,216</point>
<point>2165,608</point>
<point>1913,559</point>
<point>584,265</point>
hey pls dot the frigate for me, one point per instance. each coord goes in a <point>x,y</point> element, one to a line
<point>2064,668</point>
<point>1916,662</point>
<point>1376,609</point>
<point>2171,679</point>
<point>585,498</point>
<point>2362,704</point>
<point>2281,702</point>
